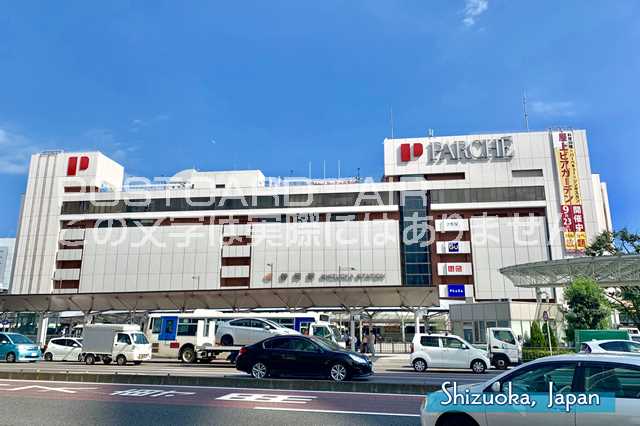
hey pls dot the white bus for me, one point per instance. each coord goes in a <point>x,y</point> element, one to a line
<point>182,335</point>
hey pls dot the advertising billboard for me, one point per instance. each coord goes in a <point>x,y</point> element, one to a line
<point>575,237</point>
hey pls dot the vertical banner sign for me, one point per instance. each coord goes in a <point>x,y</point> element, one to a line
<point>575,237</point>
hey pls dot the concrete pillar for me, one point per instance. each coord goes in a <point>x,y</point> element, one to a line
<point>43,325</point>
<point>417,323</point>
<point>360,332</point>
<point>404,338</point>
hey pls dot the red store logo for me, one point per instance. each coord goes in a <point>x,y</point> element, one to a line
<point>77,164</point>
<point>410,152</point>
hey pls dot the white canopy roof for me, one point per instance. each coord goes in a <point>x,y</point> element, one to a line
<point>608,271</point>
<point>299,298</point>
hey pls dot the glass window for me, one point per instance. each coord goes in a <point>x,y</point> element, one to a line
<point>156,324</point>
<point>614,346</point>
<point>19,339</point>
<point>124,338</point>
<point>4,339</point>
<point>538,377</point>
<point>304,345</point>
<point>429,341</point>
<point>57,342</point>
<point>633,347</point>
<point>140,339</point>
<point>241,323</point>
<point>187,327</point>
<point>282,343</point>
<point>504,336</point>
<point>453,343</point>
<point>623,382</point>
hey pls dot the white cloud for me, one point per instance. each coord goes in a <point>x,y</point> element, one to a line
<point>15,152</point>
<point>473,9</point>
<point>554,109</point>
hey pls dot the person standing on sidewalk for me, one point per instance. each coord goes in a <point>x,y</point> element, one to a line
<point>371,342</point>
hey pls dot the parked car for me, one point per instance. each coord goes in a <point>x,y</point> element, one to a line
<point>620,347</point>
<point>576,373</point>
<point>446,351</point>
<point>16,347</point>
<point>302,356</point>
<point>247,331</point>
<point>63,349</point>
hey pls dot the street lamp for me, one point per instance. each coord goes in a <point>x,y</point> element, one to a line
<point>270,265</point>
<point>340,268</point>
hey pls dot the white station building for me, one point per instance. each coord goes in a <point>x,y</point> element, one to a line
<point>448,213</point>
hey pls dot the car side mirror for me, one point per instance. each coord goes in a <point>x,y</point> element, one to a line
<point>496,387</point>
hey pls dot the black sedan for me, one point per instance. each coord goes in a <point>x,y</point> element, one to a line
<point>301,356</point>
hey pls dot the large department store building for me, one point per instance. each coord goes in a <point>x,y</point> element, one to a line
<point>448,213</point>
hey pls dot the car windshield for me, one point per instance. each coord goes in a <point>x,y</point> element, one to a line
<point>336,333</point>
<point>326,344</point>
<point>140,339</point>
<point>19,339</point>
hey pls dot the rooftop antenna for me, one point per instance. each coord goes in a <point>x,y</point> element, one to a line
<point>430,133</point>
<point>391,121</point>
<point>524,110</point>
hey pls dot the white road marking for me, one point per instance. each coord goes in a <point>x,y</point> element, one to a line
<point>48,389</point>
<point>261,397</point>
<point>413,395</point>
<point>152,393</point>
<point>310,410</point>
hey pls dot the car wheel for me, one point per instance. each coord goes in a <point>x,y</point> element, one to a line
<point>89,359</point>
<point>226,340</point>
<point>501,363</point>
<point>338,372</point>
<point>121,360</point>
<point>11,357</point>
<point>187,355</point>
<point>420,365</point>
<point>259,370</point>
<point>478,366</point>
<point>48,356</point>
<point>456,420</point>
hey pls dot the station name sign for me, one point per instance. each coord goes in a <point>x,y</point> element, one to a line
<point>477,149</point>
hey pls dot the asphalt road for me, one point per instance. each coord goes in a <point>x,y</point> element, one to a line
<point>387,370</point>
<point>56,403</point>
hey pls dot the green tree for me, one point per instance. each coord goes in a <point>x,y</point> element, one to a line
<point>537,337</point>
<point>589,308</point>
<point>625,300</point>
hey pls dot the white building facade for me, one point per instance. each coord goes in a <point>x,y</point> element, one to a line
<point>6,262</point>
<point>447,215</point>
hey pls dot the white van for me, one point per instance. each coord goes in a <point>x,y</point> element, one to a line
<point>120,342</point>
<point>446,351</point>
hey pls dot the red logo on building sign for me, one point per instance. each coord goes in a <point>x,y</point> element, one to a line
<point>77,164</point>
<point>410,152</point>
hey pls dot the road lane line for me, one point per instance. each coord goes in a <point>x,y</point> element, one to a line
<point>412,395</point>
<point>311,410</point>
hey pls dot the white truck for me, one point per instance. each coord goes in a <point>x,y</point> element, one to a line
<point>120,342</point>
<point>503,347</point>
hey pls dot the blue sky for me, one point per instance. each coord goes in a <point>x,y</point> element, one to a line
<point>163,86</point>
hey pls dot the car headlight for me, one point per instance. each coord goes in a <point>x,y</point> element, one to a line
<point>358,359</point>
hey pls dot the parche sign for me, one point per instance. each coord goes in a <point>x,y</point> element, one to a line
<point>477,149</point>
